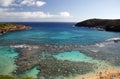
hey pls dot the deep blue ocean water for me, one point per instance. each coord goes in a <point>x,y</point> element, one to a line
<point>53,33</point>
<point>56,33</point>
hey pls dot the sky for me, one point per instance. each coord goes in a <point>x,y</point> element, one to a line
<point>58,10</point>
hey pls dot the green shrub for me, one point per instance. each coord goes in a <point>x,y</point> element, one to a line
<point>6,77</point>
<point>6,25</point>
<point>11,77</point>
<point>26,78</point>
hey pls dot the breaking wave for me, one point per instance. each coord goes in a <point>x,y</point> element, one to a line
<point>25,46</point>
<point>108,42</point>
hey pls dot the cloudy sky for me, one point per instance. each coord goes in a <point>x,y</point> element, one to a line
<point>58,10</point>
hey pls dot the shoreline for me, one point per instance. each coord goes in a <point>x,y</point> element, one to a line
<point>110,72</point>
<point>101,24</point>
<point>4,28</point>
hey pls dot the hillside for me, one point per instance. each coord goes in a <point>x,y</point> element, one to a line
<point>106,24</point>
<point>6,27</point>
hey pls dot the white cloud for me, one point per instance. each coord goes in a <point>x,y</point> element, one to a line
<point>7,15</point>
<point>36,14</point>
<point>6,3</point>
<point>1,9</point>
<point>27,2</point>
<point>40,3</point>
<point>6,9</point>
<point>65,14</point>
<point>32,2</point>
<point>28,14</point>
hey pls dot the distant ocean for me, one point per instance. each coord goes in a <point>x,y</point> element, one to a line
<point>56,33</point>
<point>59,34</point>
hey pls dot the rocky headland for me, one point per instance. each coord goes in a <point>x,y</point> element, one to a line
<point>101,24</point>
<point>7,27</point>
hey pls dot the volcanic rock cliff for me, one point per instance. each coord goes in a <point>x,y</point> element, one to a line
<point>106,24</point>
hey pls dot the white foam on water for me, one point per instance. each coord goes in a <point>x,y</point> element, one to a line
<point>19,46</point>
<point>108,42</point>
<point>100,44</point>
<point>114,39</point>
<point>104,44</point>
<point>30,47</point>
<point>94,50</point>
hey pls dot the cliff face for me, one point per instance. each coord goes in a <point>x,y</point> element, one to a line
<point>12,27</point>
<point>106,24</point>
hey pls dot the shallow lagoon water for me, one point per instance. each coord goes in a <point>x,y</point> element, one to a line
<point>31,73</point>
<point>78,56</point>
<point>56,34</point>
<point>73,56</point>
<point>7,58</point>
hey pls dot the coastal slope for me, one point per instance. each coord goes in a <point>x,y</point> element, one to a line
<point>105,24</point>
<point>6,27</point>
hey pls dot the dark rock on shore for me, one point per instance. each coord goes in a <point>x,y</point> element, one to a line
<point>106,24</point>
<point>5,27</point>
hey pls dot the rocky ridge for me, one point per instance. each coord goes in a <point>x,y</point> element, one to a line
<point>101,24</point>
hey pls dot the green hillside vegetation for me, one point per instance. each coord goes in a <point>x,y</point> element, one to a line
<point>6,25</point>
<point>101,24</point>
<point>11,77</point>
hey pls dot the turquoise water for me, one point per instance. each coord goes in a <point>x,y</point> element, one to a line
<point>65,35</point>
<point>7,58</point>
<point>56,34</point>
<point>31,73</point>
<point>73,56</point>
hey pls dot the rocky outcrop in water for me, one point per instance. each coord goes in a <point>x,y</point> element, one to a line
<point>42,57</point>
<point>50,67</point>
<point>4,27</point>
<point>105,24</point>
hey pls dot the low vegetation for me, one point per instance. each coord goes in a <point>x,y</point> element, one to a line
<point>4,25</point>
<point>12,77</point>
<point>7,27</point>
<point>100,24</point>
